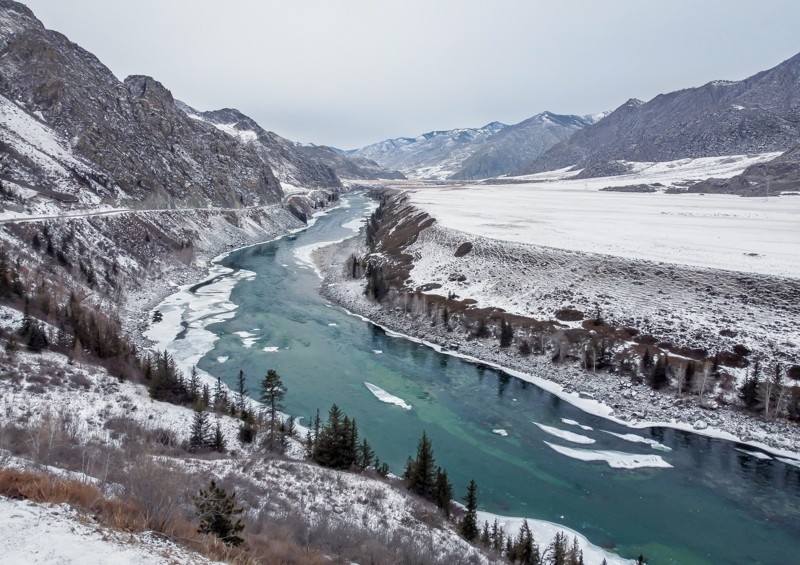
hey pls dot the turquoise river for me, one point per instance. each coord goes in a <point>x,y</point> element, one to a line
<point>714,505</point>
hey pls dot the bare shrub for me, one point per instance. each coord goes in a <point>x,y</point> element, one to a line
<point>158,490</point>
<point>79,380</point>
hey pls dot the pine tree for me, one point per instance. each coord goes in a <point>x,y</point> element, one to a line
<point>421,470</point>
<point>216,509</point>
<point>748,392</point>
<point>365,455</point>
<point>220,397</point>
<point>469,524</point>
<point>485,534</point>
<point>497,536</point>
<point>194,384</point>
<point>272,393</point>
<point>557,550</point>
<point>442,491</point>
<point>205,396</point>
<point>199,435</point>
<point>329,440</point>
<point>523,548</point>
<point>37,338</point>
<point>659,376</point>
<point>247,432</point>
<point>506,333</point>
<point>574,553</point>
<point>241,391</point>
<point>218,442</point>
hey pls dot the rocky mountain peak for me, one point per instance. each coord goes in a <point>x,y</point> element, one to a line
<point>147,88</point>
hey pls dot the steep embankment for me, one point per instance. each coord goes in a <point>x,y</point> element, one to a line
<point>656,342</point>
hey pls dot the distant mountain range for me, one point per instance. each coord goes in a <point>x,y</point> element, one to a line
<point>755,115</point>
<point>474,153</point>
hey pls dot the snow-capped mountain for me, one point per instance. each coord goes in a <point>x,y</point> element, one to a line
<point>755,115</point>
<point>474,153</point>
<point>435,154</point>
<point>516,145</point>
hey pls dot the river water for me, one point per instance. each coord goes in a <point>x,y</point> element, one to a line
<point>713,504</point>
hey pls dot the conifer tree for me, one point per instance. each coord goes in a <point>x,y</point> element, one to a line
<point>220,396</point>
<point>272,393</point>
<point>194,384</point>
<point>205,396</point>
<point>216,510</point>
<point>557,550</point>
<point>420,471</point>
<point>748,392</point>
<point>199,435</point>
<point>497,536</point>
<point>218,442</point>
<point>443,491</point>
<point>574,553</point>
<point>469,524</point>
<point>365,455</point>
<point>485,534</point>
<point>241,391</point>
<point>506,333</point>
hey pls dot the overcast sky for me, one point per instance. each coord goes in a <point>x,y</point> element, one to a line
<point>352,72</point>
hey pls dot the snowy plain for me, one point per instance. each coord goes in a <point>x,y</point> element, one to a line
<point>757,235</point>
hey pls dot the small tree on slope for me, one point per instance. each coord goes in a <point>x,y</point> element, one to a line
<point>216,510</point>
<point>469,525</point>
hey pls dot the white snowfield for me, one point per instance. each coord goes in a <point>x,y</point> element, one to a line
<point>758,235</point>
<point>44,533</point>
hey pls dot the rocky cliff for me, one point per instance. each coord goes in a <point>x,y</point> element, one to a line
<point>117,140</point>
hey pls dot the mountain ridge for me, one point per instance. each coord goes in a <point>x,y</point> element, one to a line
<point>758,114</point>
<point>469,153</point>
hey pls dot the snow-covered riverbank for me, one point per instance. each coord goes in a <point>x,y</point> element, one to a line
<point>602,394</point>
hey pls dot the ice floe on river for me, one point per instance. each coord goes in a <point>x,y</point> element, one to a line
<point>639,439</point>
<point>565,435</point>
<point>386,397</point>
<point>248,338</point>
<point>615,459</point>
<point>575,423</point>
